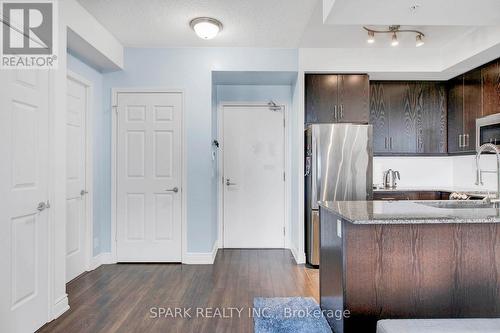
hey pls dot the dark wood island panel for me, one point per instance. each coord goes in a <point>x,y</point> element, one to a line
<point>389,271</point>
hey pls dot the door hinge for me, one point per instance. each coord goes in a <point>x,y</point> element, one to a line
<point>284,176</point>
<point>284,122</point>
<point>284,234</point>
<point>115,107</point>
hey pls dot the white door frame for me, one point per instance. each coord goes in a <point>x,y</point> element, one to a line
<point>220,162</point>
<point>114,140</point>
<point>89,168</point>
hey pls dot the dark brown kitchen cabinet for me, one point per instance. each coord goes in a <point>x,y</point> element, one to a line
<point>491,88</point>
<point>464,107</point>
<point>408,117</point>
<point>335,98</point>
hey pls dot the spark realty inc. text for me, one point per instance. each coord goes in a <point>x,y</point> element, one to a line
<point>238,312</point>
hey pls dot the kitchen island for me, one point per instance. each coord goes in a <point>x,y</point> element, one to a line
<point>408,259</point>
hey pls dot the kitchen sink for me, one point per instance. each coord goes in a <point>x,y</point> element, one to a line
<point>465,204</point>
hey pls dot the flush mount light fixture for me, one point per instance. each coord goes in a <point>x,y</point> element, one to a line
<point>206,27</point>
<point>394,30</point>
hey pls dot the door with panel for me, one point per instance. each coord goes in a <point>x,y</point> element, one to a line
<point>149,176</point>
<point>432,119</point>
<point>354,98</point>
<point>254,184</point>
<point>455,114</point>
<point>403,103</point>
<point>77,252</point>
<point>24,140</point>
<point>472,109</point>
<point>491,88</point>
<point>321,100</point>
<point>379,117</point>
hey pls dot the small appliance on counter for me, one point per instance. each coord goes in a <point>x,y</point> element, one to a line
<point>391,178</point>
<point>338,167</point>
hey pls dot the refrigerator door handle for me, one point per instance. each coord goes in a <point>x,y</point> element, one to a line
<point>314,170</point>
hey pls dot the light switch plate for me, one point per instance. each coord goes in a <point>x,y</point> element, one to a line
<point>339,228</point>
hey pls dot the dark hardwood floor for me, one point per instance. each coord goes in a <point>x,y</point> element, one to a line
<point>119,298</point>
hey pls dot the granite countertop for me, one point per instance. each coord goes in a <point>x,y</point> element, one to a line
<point>413,212</point>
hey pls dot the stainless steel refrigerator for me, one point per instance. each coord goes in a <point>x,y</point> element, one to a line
<point>338,167</point>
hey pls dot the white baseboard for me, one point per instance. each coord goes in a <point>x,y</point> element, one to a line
<point>101,259</point>
<point>300,258</point>
<point>61,305</point>
<point>201,258</point>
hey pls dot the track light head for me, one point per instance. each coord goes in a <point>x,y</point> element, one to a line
<point>420,40</point>
<point>394,41</point>
<point>371,37</point>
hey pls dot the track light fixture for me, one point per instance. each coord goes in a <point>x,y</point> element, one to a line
<point>394,30</point>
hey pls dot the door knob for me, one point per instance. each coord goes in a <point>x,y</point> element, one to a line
<point>83,192</point>
<point>175,190</point>
<point>43,205</point>
<point>228,182</point>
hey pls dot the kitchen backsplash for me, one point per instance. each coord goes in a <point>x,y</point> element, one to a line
<point>439,171</point>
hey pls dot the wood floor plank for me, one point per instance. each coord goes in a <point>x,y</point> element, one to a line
<point>120,298</point>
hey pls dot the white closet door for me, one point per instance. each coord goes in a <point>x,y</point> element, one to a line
<point>149,174</point>
<point>76,218</point>
<point>24,124</point>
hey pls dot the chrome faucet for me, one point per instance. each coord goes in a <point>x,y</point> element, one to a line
<point>479,173</point>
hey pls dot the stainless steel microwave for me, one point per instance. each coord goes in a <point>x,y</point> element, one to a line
<point>488,130</point>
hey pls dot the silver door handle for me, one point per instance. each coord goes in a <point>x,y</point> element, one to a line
<point>228,182</point>
<point>83,192</point>
<point>43,205</point>
<point>175,190</point>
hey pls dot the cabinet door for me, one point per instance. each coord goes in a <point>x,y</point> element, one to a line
<point>432,119</point>
<point>353,98</point>
<point>455,114</point>
<point>379,117</point>
<point>491,88</point>
<point>472,108</point>
<point>321,98</point>
<point>402,131</point>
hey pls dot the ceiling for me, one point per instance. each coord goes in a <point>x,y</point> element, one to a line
<point>426,12</point>
<point>291,23</point>
<point>165,23</point>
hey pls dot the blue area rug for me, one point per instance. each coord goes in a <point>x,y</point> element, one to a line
<point>288,315</point>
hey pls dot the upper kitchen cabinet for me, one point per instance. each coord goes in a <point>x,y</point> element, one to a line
<point>333,98</point>
<point>491,88</point>
<point>464,107</point>
<point>408,117</point>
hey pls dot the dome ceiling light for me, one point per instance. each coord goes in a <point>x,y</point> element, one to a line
<point>206,27</point>
<point>395,30</point>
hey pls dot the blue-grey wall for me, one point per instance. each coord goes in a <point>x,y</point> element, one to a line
<point>101,158</point>
<point>190,69</point>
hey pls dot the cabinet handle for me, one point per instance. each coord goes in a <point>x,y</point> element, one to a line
<point>460,141</point>
<point>390,143</point>
<point>335,114</point>
<point>341,111</point>
<point>467,140</point>
<point>385,142</point>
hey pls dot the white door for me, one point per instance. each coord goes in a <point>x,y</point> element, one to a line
<point>24,124</point>
<point>254,187</point>
<point>76,212</point>
<point>149,160</point>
